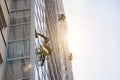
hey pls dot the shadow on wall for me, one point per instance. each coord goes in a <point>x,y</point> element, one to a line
<point>1,60</point>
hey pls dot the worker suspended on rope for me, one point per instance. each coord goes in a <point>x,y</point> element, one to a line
<point>70,56</point>
<point>61,17</point>
<point>44,49</point>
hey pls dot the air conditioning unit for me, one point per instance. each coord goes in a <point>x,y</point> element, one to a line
<point>1,60</point>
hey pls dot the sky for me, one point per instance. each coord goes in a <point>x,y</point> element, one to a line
<point>94,38</point>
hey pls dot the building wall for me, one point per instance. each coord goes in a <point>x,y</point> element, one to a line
<point>40,27</point>
<point>61,67</point>
<point>63,31</point>
<point>57,65</point>
<point>51,22</point>
<point>18,64</point>
<point>5,10</point>
<point>41,16</point>
<point>4,16</point>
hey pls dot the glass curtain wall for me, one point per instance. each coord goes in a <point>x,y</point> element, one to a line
<point>18,53</point>
<point>41,72</point>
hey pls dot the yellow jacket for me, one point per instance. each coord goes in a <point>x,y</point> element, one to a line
<point>44,50</point>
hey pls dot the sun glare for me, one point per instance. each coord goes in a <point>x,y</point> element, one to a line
<point>72,39</point>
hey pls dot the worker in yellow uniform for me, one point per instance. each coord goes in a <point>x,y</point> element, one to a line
<point>62,17</point>
<point>70,56</point>
<point>44,49</point>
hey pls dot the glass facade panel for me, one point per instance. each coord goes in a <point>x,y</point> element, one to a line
<point>18,52</point>
<point>18,17</point>
<point>18,49</point>
<point>40,27</point>
<point>19,32</point>
<point>17,70</point>
<point>20,4</point>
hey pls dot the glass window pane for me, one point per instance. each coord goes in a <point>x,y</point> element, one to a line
<point>20,4</point>
<point>19,32</point>
<point>18,69</point>
<point>18,49</point>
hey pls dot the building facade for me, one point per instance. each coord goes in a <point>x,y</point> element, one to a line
<point>57,66</point>
<point>28,17</point>
<point>19,53</point>
<point>4,16</point>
